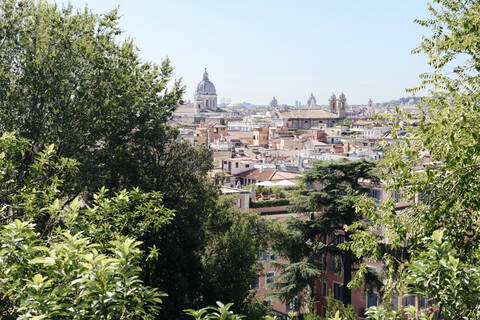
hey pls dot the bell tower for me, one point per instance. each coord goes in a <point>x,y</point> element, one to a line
<point>333,103</point>
<point>342,104</point>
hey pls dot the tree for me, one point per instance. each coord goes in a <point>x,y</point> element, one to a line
<point>331,209</point>
<point>66,277</point>
<point>51,267</point>
<point>436,167</point>
<point>68,80</point>
<point>231,264</point>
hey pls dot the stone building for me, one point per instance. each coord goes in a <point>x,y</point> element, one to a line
<point>205,95</point>
<point>313,118</point>
<point>338,106</point>
<point>261,137</point>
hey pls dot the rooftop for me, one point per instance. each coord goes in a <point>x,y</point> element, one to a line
<point>307,114</point>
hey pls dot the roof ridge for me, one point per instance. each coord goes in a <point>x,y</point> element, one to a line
<point>271,176</point>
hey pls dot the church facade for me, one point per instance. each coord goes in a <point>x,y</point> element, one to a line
<point>312,118</point>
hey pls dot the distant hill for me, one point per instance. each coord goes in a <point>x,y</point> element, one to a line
<point>406,101</point>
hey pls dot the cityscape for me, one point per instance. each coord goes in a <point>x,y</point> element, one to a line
<point>258,160</point>
<point>256,148</point>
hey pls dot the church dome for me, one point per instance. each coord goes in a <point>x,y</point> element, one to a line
<point>274,103</point>
<point>206,86</point>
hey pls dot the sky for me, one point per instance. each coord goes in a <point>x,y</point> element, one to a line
<point>257,49</point>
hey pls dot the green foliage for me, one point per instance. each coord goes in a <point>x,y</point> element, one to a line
<point>262,190</point>
<point>270,203</point>
<point>381,313</point>
<point>312,315</point>
<point>256,309</point>
<point>61,265</point>
<point>69,79</point>
<point>439,273</point>
<point>220,312</point>
<point>277,192</point>
<point>344,122</point>
<point>67,277</point>
<point>331,208</point>
<point>436,164</point>
<point>296,240</point>
<point>234,239</point>
<point>27,187</point>
<point>128,213</point>
<point>36,192</point>
<point>339,311</point>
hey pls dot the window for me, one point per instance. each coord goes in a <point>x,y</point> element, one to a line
<point>337,291</point>
<point>375,193</point>
<point>268,256</point>
<point>324,289</point>
<point>270,278</point>
<point>324,238</point>
<point>408,301</point>
<point>206,102</point>
<point>336,265</point>
<point>338,239</point>
<point>372,299</point>
<point>324,263</point>
<point>240,203</point>
<point>247,166</point>
<point>422,302</point>
<point>396,196</point>
<point>236,164</point>
<point>268,303</point>
<point>395,302</point>
<point>255,284</point>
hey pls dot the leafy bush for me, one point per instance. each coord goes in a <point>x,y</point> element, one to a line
<point>270,203</point>
<point>221,312</point>
<point>68,278</point>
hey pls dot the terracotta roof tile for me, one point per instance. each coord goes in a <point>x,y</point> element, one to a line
<point>258,174</point>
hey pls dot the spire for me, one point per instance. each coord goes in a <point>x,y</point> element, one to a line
<point>205,74</point>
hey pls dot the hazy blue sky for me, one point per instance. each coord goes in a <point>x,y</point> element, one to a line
<point>256,49</point>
